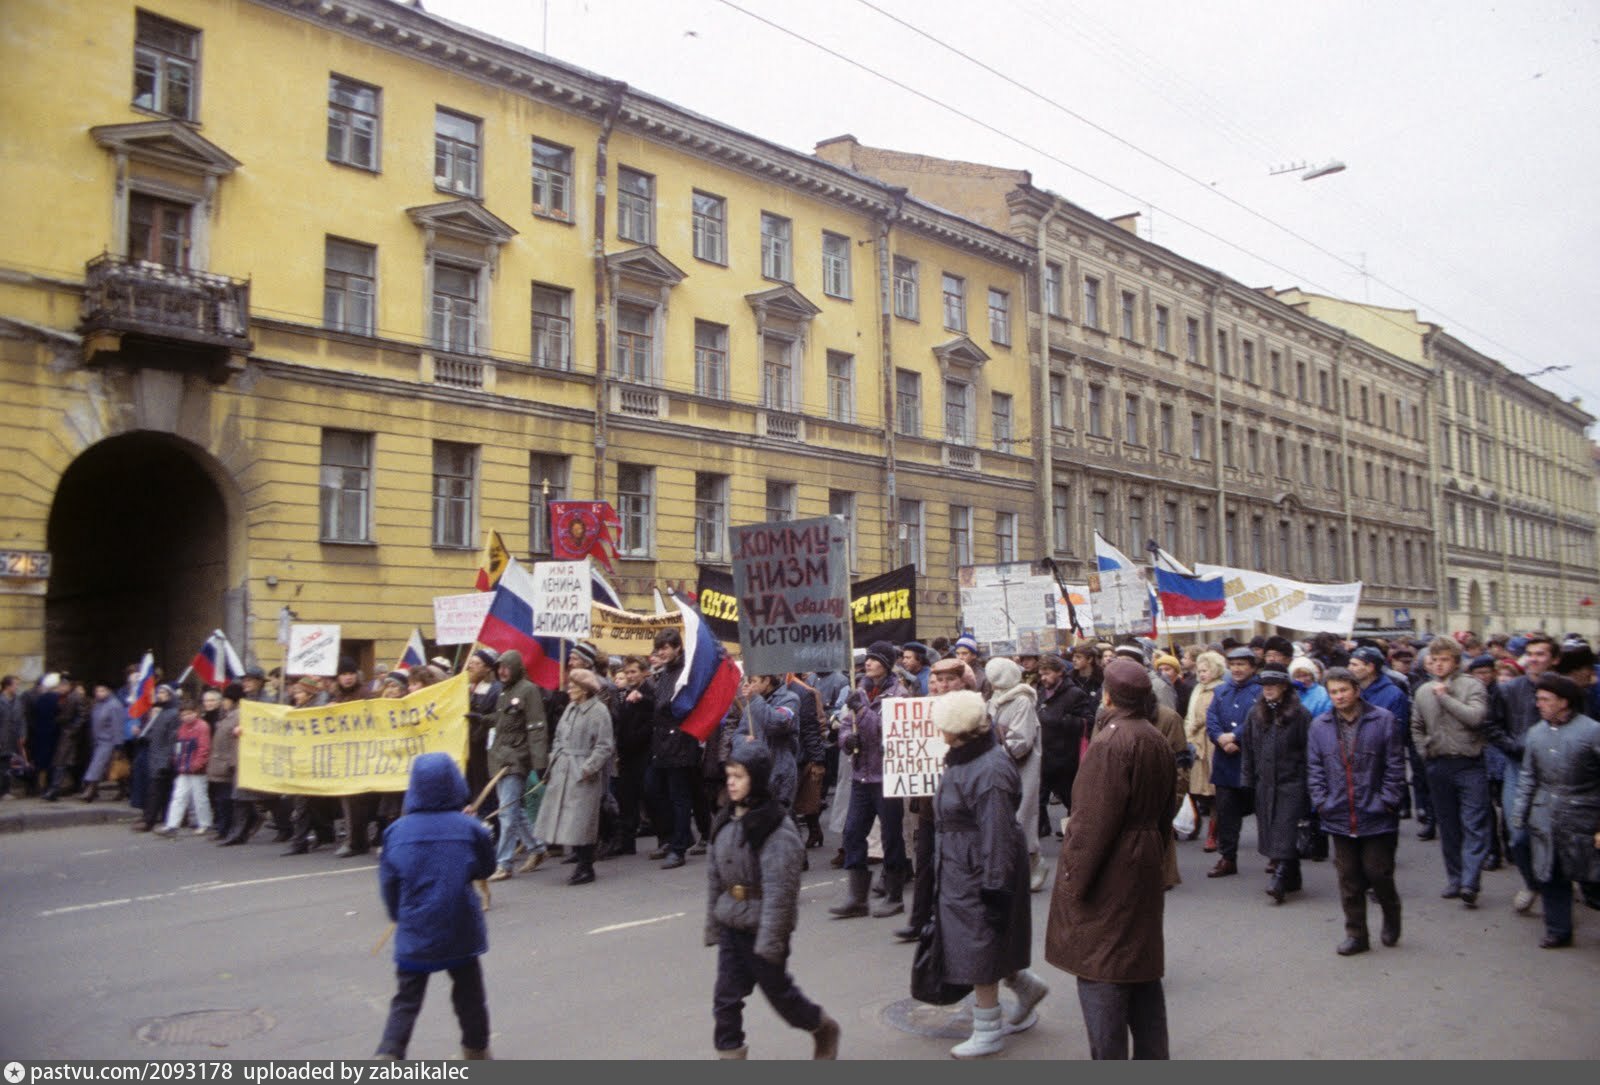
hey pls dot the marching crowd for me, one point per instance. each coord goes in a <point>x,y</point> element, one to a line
<point>1491,748</point>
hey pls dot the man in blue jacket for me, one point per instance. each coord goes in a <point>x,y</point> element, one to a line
<point>1225,717</point>
<point>431,857</point>
<point>1377,688</point>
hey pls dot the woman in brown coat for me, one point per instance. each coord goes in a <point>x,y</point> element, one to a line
<point>1106,909</point>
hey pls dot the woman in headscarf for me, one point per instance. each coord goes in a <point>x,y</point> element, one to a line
<point>1209,669</point>
<point>583,743</point>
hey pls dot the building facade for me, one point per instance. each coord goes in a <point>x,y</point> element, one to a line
<point>295,352</point>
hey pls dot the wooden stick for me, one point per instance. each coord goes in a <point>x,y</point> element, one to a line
<point>488,789</point>
<point>386,936</point>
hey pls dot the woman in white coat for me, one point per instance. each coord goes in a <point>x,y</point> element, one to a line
<point>574,784</point>
<point>1014,713</point>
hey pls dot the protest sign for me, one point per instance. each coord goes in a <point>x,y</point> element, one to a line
<point>350,748</point>
<point>792,580</point>
<point>715,600</point>
<point>881,607</point>
<point>313,649</point>
<point>563,599</point>
<point>1275,600</point>
<point>620,633</point>
<point>1120,599</point>
<point>913,748</point>
<point>458,618</point>
<point>1012,607</point>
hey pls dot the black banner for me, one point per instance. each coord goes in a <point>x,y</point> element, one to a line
<point>882,608</point>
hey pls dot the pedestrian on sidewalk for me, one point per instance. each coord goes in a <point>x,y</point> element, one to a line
<point>190,751</point>
<point>108,722</point>
<point>158,736</point>
<point>431,856</point>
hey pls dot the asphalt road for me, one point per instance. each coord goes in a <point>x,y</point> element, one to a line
<point>108,938</point>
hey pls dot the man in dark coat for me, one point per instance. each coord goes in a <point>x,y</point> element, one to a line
<point>674,769</point>
<point>1274,768</point>
<point>1106,910</point>
<point>1066,714</point>
<point>630,721</point>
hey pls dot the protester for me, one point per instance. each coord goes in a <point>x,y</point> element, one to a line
<point>946,676</point>
<point>521,748</point>
<point>770,713</point>
<point>1538,653</point>
<point>569,815</point>
<point>1086,670</point>
<point>483,692</point>
<point>107,721</point>
<point>1225,717</point>
<point>1012,711</point>
<point>630,723</point>
<point>1066,715</point>
<point>1274,768</point>
<point>862,738</point>
<point>675,756</point>
<point>1366,663</point>
<point>913,669</point>
<point>1209,669</point>
<point>190,750</point>
<point>12,730</point>
<point>223,764</point>
<point>811,732</point>
<point>159,735</point>
<point>1447,721</point>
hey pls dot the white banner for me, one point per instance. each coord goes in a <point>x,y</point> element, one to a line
<point>563,598</point>
<point>1121,601</point>
<point>913,748</point>
<point>314,649</point>
<point>457,619</point>
<point>1275,600</point>
<point>1012,607</point>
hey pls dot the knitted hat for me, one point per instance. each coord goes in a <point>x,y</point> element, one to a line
<point>1002,673</point>
<point>1305,665</point>
<point>1270,675</point>
<point>883,651</point>
<point>1166,660</point>
<point>395,677</point>
<point>489,656</point>
<point>967,641</point>
<point>586,651</point>
<point>959,713</point>
<point>1127,684</point>
<point>1485,660</point>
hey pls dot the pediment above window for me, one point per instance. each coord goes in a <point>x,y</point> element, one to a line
<point>960,352</point>
<point>463,220</point>
<point>782,303</point>
<point>645,264</point>
<point>166,143</point>
<point>1287,501</point>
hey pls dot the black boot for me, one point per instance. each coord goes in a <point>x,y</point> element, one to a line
<point>583,875</point>
<point>854,902</point>
<point>894,883</point>
<point>814,833</point>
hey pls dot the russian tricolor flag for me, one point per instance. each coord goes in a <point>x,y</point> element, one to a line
<point>509,624</point>
<point>416,653</point>
<point>216,661</point>
<point>1184,594</point>
<point>709,682</point>
<point>144,688</point>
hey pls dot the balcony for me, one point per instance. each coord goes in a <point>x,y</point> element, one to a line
<point>638,401</point>
<point>454,371</point>
<point>148,314</point>
<point>781,426</point>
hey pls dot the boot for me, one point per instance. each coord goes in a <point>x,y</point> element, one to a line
<point>1390,934</point>
<point>1211,834</point>
<point>894,884</point>
<point>854,902</point>
<point>1030,991</point>
<point>879,886</point>
<point>472,1054</point>
<point>814,836</point>
<point>825,1039</point>
<point>1036,872</point>
<point>988,1035</point>
<point>838,859</point>
<point>583,875</point>
<point>90,791</point>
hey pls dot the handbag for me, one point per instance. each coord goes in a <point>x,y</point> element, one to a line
<point>927,966</point>
<point>1187,817</point>
<point>1305,838</point>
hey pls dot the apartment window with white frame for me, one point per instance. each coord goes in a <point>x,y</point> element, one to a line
<point>1197,436</point>
<point>711,359</point>
<point>1129,313</point>
<point>1005,536</point>
<point>1097,410</point>
<point>1061,516</point>
<point>1100,512</point>
<point>455,308</point>
<point>352,123</point>
<point>999,317</point>
<point>905,288</point>
<point>777,373</point>
<point>455,484</point>
<point>1131,430</point>
<point>910,530</point>
<point>635,342</point>
<point>547,482</point>
<point>957,412</point>
<point>552,180</point>
<point>1054,293</point>
<point>552,327</point>
<point>346,486</point>
<point>166,66</point>
<point>710,517</point>
<point>1191,337</point>
<point>1091,302</point>
<point>960,536</point>
<point>835,265</point>
<point>1169,526</point>
<point>709,227</point>
<point>457,143</point>
<point>841,386</point>
<point>349,287</point>
<point>636,206</point>
<point>777,249</point>
<point>908,402</point>
<point>1136,530</point>
<point>1058,400</point>
<point>1166,427</point>
<point>1000,411</point>
<point>954,291</point>
<point>842,507</point>
<point>1163,329</point>
<point>636,509</point>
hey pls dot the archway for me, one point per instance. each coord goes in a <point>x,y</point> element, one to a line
<point>138,538</point>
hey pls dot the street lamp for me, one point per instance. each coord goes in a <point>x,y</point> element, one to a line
<point>1311,173</point>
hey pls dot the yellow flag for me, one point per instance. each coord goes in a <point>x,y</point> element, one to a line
<point>495,557</point>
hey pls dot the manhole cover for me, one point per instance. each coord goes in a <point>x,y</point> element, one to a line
<point>938,1022</point>
<point>208,1028</point>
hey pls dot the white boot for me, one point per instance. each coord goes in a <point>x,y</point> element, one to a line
<point>1030,991</point>
<point>1036,873</point>
<point>988,1035</point>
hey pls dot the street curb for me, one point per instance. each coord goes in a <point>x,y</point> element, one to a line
<point>34,820</point>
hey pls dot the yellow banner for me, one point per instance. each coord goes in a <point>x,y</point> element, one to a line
<point>621,633</point>
<point>353,747</point>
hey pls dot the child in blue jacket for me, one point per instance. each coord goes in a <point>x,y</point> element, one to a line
<point>431,857</point>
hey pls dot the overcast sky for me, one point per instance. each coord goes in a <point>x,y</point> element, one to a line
<point>1468,128</point>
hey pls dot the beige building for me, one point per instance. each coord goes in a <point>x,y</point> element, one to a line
<point>1181,406</point>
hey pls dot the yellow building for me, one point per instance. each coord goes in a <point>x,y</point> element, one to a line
<point>300,298</point>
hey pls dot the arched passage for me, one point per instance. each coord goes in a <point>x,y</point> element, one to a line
<point>139,546</point>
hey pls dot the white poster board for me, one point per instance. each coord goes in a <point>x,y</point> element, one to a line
<point>563,599</point>
<point>313,649</point>
<point>457,619</point>
<point>1014,604</point>
<point>913,748</point>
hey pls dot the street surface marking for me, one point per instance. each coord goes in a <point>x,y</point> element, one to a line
<point>204,887</point>
<point>97,851</point>
<point>819,885</point>
<point>636,923</point>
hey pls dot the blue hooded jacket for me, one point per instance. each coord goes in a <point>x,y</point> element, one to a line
<point>431,857</point>
<point>1384,694</point>
<point>1230,705</point>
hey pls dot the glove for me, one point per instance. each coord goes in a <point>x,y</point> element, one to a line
<point>852,744</point>
<point>996,909</point>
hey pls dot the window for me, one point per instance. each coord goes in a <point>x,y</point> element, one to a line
<point>346,487</point>
<point>960,536</point>
<point>1322,389</point>
<point>835,265</point>
<point>1061,516</point>
<point>1388,485</point>
<point>841,386</point>
<point>1335,553</point>
<point>1300,381</point>
<point>1466,451</point>
<point>777,373</point>
<point>1305,464</point>
<point>166,62</point>
<point>1164,427</point>
<point>1275,365</point>
<point>1258,543</point>
<point>1247,361</point>
<point>636,206</point>
<point>954,291</point>
<point>908,402</point>
<point>1227,445</point>
<point>1054,301</point>
<point>710,517</point>
<point>1191,333</point>
<point>1280,457</point>
<point>1000,421</point>
<point>1197,436</point>
<point>780,501</point>
<point>158,230</point>
<point>1100,512</point>
<point>1169,526</point>
<point>1127,313</point>
<point>1230,538</point>
<point>1312,566</point>
<point>905,288</point>
<point>1366,407</point>
<point>552,180</point>
<point>1383,411</point>
<point>1097,404</point>
<point>1091,302</point>
<point>1485,458</point>
<point>1222,354</point>
<point>349,286</point>
<point>710,227</point>
<point>635,339</point>
<point>842,507</point>
<point>1284,552</point>
<point>455,308</point>
<point>1130,420</point>
<point>352,123</point>
<point>1444,443</point>
<point>455,152</point>
<point>635,509</point>
<point>552,327</point>
<point>999,316</point>
<point>1005,536</point>
<point>1058,400</point>
<point>1136,535</point>
<point>547,482</point>
<point>711,359</point>
<point>455,471</point>
<point>1330,469</point>
<point>1202,533</point>
<point>1349,404</point>
<point>1252,451</point>
<point>1163,329</point>
<point>957,427</point>
<point>910,520</point>
<point>777,249</point>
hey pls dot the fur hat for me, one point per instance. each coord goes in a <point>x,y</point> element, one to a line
<point>1562,687</point>
<point>587,679</point>
<point>1127,684</point>
<point>348,666</point>
<point>1002,673</point>
<point>960,713</point>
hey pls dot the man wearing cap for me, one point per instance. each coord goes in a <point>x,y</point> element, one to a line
<point>1225,719</point>
<point>1377,688</point>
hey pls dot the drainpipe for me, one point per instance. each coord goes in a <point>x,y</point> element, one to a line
<point>891,518</point>
<point>602,337</point>
<point>1044,431</point>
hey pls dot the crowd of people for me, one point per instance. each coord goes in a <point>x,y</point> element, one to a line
<point>1491,748</point>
